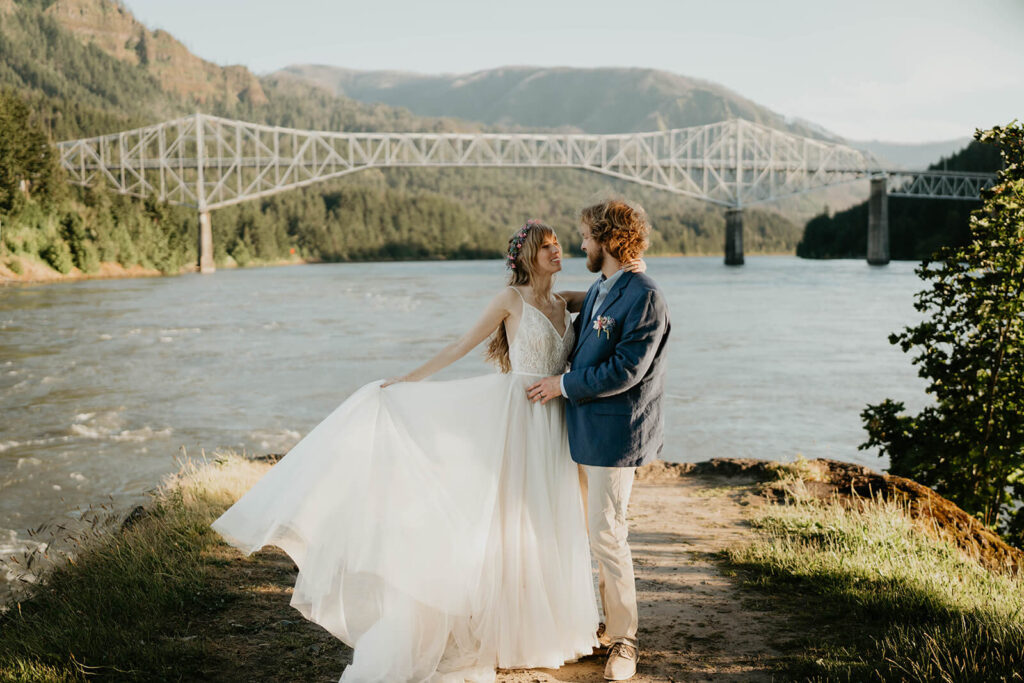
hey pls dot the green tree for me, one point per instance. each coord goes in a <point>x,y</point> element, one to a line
<point>27,159</point>
<point>969,445</point>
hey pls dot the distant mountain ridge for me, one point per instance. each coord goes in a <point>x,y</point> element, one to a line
<point>913,156</point>
<point>599,100</point>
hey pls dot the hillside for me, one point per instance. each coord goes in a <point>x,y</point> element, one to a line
<point>113,29</point>
<point>88,67</point>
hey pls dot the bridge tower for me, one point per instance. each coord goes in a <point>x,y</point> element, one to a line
<point>205,245</point>
<point>878,221</point>
<point>734,237</point>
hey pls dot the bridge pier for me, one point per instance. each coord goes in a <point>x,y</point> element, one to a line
<point>878,222</point>
<point>734,237</point>
<point>206,264</point>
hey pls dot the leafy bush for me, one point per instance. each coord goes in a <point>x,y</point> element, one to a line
<point>58,255</point>
<point>969,445</point>
<point>83,250</point>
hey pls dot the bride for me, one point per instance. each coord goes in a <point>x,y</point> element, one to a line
<point>438,527</point>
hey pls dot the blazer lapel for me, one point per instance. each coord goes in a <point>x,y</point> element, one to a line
<point>586,314</point>
<point>613,296</point>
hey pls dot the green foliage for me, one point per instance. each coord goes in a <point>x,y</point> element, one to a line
<point>28,166</point>
<point>917,227</point>
<point>58,255</point>
<point>75,88</point>
<point>880,599</point>
<point>90,226</point>
<point>969,445</point>
<point>79,241</point>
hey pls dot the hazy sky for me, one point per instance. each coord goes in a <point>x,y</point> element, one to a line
<point>897,70</point>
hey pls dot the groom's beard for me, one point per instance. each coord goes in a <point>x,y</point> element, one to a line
<point>595,260</point>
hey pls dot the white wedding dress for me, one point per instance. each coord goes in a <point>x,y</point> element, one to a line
<point>438,526</point>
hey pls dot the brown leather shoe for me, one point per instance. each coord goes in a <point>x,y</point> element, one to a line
<point>622,660</point>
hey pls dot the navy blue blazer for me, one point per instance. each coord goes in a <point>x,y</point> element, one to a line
<point>617,377</point>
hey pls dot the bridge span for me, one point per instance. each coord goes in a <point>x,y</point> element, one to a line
<point>208,162</point>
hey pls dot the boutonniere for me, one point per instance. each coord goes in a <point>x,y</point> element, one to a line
<point>603,323</point>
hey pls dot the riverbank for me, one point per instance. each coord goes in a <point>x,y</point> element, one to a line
<point>746,570</point>
<point>25,270</point>
<point>21,269</point>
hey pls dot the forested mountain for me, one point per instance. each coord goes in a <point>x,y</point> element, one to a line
<point>88,67</point>
<point>917,227</point>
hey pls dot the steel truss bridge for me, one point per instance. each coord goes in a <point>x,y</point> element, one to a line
<point>208,162</point>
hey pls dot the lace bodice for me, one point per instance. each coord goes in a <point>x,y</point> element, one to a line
<point>537,348</point>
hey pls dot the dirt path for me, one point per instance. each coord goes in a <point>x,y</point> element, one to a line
<point>693,623</point>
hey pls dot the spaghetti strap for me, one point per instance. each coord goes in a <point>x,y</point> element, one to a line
<point>516,290</point>
<point>562,298</point>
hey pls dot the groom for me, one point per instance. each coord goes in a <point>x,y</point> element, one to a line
<point>614,392</point>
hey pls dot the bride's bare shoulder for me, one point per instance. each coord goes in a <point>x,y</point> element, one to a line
<point>509,298</point>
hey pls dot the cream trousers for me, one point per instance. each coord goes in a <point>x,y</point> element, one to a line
<point>606,495</point>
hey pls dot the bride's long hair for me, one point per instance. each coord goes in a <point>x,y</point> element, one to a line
<point>520,259</point>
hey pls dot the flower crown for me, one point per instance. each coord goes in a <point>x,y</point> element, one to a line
<point>515,244</point>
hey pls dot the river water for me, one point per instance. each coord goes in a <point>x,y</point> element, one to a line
<point>104,383</point>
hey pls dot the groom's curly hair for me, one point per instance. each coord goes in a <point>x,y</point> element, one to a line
<point>620,227</point>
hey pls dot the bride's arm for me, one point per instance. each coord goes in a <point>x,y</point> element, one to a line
<point>493,315</point>
<point>574,300</point>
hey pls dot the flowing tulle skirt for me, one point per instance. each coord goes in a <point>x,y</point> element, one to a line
<point>438,529</point>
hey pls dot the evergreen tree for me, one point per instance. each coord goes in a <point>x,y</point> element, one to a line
<point>27,159</point>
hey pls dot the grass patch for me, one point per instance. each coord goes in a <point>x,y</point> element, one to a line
<point>123,606</point>
<point>880,598</point>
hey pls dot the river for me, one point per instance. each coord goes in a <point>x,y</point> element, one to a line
<point>104,383</point>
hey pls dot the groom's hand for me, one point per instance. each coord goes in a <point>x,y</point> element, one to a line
<point>545,390</point>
